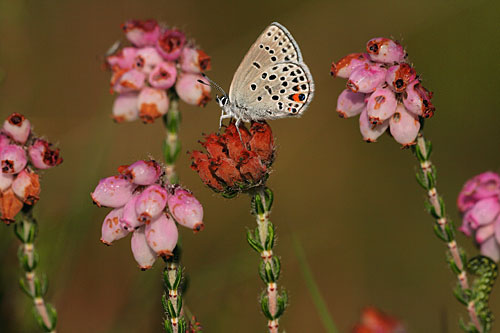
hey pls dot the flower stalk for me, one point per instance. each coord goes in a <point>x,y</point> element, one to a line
<point>172,144</point>
<point>466,293</point>
<point>33,284</point>
<point>273,303</point>
<point>172,298</point>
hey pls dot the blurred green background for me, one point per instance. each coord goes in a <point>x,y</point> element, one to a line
<point>355,207</point>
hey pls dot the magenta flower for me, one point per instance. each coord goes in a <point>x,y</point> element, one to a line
<point>146,75</point>
<point>479,204</point>
<point>148,207</point>
<point>21,154</point>
<point>385,90</point>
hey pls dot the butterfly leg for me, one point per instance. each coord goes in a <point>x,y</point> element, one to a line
<point>237,124</point>
<point>222,117</point>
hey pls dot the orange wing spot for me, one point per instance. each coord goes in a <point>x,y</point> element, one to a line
<point>299,98</point>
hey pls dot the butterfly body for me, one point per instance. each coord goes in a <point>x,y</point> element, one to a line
<point>271,82</point>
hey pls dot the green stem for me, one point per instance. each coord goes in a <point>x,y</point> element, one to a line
<point>273,303</point>
<point>444,228</point>
<point>32,284</point>
<point>172,144</point>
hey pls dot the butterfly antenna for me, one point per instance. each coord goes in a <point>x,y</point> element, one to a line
<point>212,84</point>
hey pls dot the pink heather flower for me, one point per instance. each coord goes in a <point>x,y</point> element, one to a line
<point>191,91</point>
<point>482,186</point>
<point>163,75</point>
<point>6,180</point>
<point>350,104</point>
<point>147,59</point>
<point>42,156</point>
<point>27,186</point>
<point>170,44</point>
<point>153,103</point>
<point>132,80</point>
<point>345,66</point>
<point>385,50</point>
<point>161,235</point>
<point>194,60</point>
<point>369,131</point>
<point>404,126</point>
<point>129,219</point>
<point>394,99</point>
<point>366,78</point>
<point>143,254</point>
<point>113,192</point>
<point>126,108</point>
<point>142,172</point>
<point>12,159</point>
<point>417,100</point>
<point>186,209</point>
<point>399,76</point>
<point>151,203</point>
<point>111,229</point>
<point>17,127</point>
<point>141,33</point>
<point>480,207</point>
<point>124,58</point>
<point>381,105</point>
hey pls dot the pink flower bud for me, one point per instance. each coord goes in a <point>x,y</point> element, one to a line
<point>114,191</point>
<point>381,105</point>
<point>399,76</point>
<point>12,159</point>
<point>484,185</point>
<point>124,58</point>
<point>42,156</point>
<point>404,126</point>
<point>366,78</point>
<point>132,80</point>
<point>484,212</point>
<point>10,205</point>
<point>17,127</point>
<point>485,232</point>
<point>191,91</point>
<point>147,59</point>
<point>27,187</point>
<point>170,44</point>
<point>153,103</point>
<point>417,100</point>
<point>490,248</point>
<point>151,203</point>
<point>111,229</point>
<point>369,131</point>
<point>350,104</point>
<point>129,220</point>
<point>125,107</point>
<point>143,254</point>
<point>345,66</point>
<point>385,50</point>
<point>141,33</point>
<point>142,172</point>
<point>194,60</point>
<point>186,209</point>
<point>6,180</point>
<point>162,235</point>
<point>163,76</point>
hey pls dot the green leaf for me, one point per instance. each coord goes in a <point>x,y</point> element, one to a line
<point>421,158</point>
<point>262,271</point>
<point>166,279</point>
<point>459,294</point>
<point>270,236</point>
<point>39,320</point>
<point>282,302</point>
<point>24,287</point>
<point>38,287</point>
<point>52,315</point>
<point>164,302</point>
<point>316,296</point>
<point>168,326</point>
<point>264,304</point>
<point>431,180</point>
<point>276,267</point>
<point>19,231</point>
<point>253,243</point>
<point>439,233</point>
<point>182,325</point>
<point>259,207</point>
<point>32,232</point>
<point>179,304</point>
<point>171,310</point>
<point>428,148</point>
<point>269,195</point>
<point>421,179</point>
<point>178,278</point>
<point>171,152</point>
<point>269,272</point>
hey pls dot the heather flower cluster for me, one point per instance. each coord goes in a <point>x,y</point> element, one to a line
<point>479,204</point>
<point>375,321</point>
<point>149,208</point>
<point>22,154</point>
<point>233,164</point>
<point>385,90</point>
<point>159,64</point>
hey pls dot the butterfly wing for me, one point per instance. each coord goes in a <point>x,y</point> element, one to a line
<point>272,81</point>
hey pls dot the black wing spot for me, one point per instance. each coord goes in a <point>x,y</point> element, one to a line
<point>264,75</point>
<point>295,80</point>
<point>284,50</point>
<point>275,97</point>
<point>253,86</point>
<point>272,77</point>
<point>261,46</point>
<point>304,87</point>
<point>275,37</point>
<point>284,84</point>
<point>269,90</point>
<point>280,105</point>
<point>287,58</point>
<point>294,110</point>
<point>269,34</point>
<point>296,88</point>
<point>273,58</point>
<point>302,97</point>
<point>280,43</point>
<point>285,69</point>
<point>275,68</point>
<point>301,78</point>
<point>256,64</point>
<point>271,51</point>
<point>282,91</point>
<point>299,71</point>
<point>282,78</point>
<point>292,73</point>
<point>259,98</point>
<point>267,48</point>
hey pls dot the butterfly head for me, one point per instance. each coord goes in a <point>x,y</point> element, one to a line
<point>223,100</point>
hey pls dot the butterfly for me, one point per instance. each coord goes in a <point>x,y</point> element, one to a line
<point>271,82</point>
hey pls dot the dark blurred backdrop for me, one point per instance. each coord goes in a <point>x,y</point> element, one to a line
<point>355,207</point>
